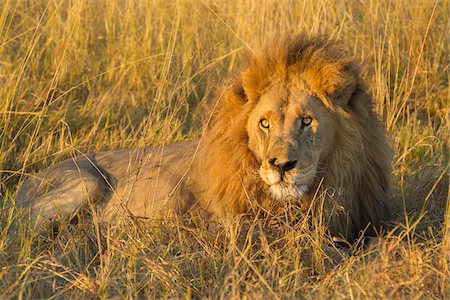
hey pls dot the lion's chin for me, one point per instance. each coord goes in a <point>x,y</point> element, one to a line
<point>286,191</point>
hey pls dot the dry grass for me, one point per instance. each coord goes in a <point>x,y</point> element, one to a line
<point>78,76</point>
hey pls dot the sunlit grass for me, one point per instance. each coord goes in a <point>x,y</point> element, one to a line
<point>79,76</point>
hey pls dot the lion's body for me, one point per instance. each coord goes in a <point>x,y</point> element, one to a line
<point>296,121</point>
<point>149,182</point>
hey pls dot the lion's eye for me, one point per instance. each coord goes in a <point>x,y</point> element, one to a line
<point>306,121</point>
<point>264,124</point>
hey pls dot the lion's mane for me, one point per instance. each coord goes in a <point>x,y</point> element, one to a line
<point>356,174</point>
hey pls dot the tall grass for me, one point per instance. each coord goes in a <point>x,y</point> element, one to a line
<point>79,76</point>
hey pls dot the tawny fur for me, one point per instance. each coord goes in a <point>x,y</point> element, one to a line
<point>222,178</point>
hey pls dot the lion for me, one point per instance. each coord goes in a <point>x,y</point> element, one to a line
<point>297,119</point>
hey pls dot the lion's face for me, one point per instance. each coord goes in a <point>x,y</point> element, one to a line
<point>290,130</point>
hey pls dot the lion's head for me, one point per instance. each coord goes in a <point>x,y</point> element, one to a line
<point>296,115</point>
<point>290,132</point>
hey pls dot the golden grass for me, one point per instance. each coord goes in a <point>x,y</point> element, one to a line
<point>78,76</point>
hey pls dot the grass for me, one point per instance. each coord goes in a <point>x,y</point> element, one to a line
<point>79,76</point>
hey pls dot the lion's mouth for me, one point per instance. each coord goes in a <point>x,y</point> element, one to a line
<point>283,190</point>
<point>292,185</point>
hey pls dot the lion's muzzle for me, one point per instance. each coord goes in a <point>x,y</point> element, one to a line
<point>284,178</point>
<point>273,171</point>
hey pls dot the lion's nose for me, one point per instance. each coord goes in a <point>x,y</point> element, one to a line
<point>288,165</point>
<point>285,167</point>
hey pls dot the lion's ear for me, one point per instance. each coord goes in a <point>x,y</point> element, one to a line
<point>342,96</point>
<point>351,94</point>
<point>357,100</point>
<point>234,91</point>
<point>239,91</point>
<point>342,84</point>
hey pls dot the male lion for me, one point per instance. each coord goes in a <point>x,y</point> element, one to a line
<point>295,121</point>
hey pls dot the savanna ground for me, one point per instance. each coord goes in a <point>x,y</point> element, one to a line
<point>79,76</point>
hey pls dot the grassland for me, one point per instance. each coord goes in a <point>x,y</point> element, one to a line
<point>79,76</point>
